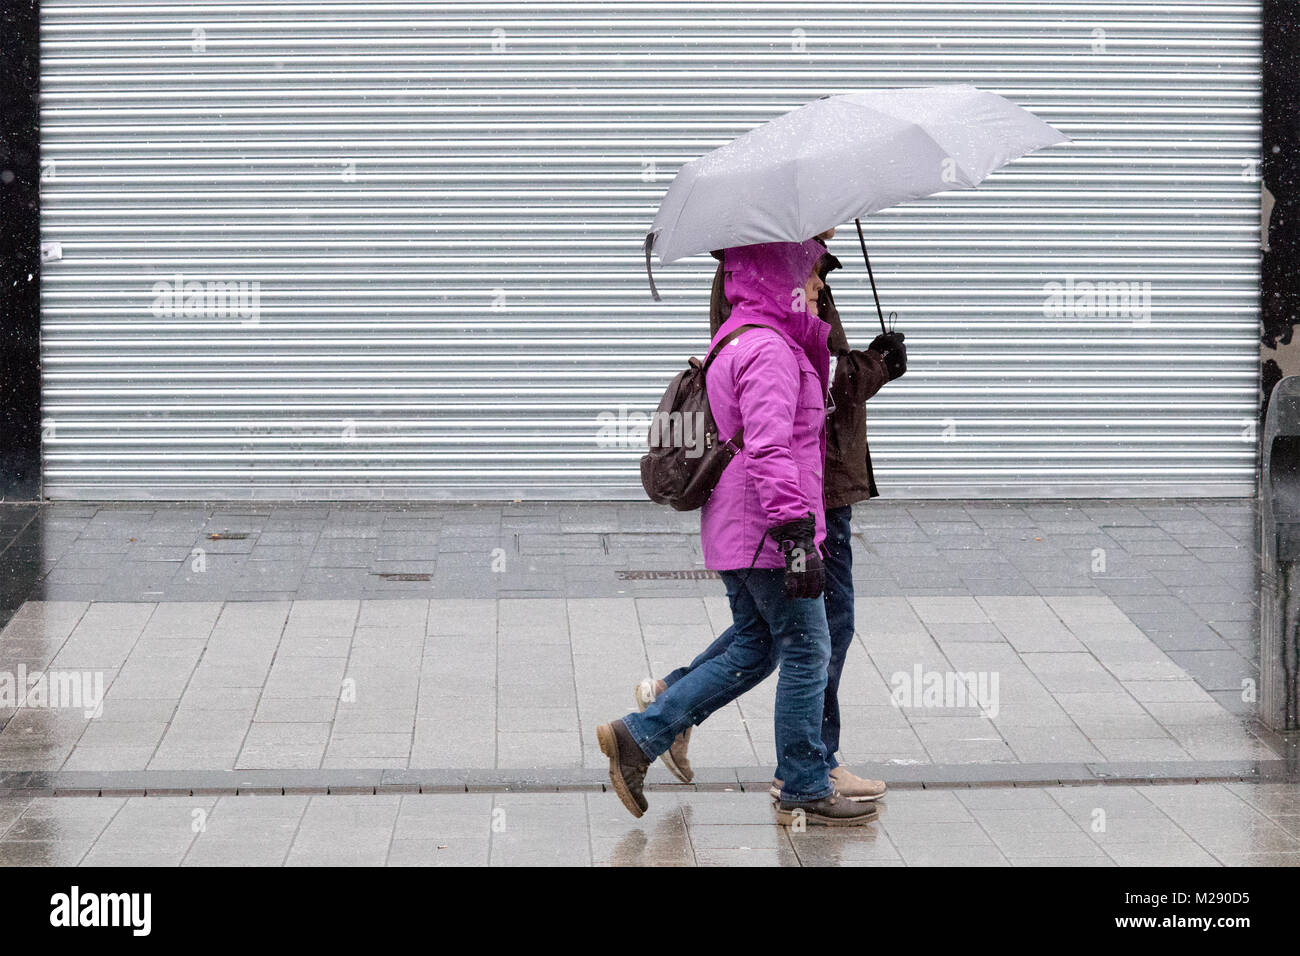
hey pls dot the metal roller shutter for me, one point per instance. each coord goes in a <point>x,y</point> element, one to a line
<point>437,208</point>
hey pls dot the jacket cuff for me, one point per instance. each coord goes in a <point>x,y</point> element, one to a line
<point>858,376</point>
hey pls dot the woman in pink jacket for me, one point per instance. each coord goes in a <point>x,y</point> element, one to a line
<point>761,529</point>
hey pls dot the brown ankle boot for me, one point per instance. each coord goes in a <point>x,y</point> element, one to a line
<point>832,811</point>
<point>627,765</point>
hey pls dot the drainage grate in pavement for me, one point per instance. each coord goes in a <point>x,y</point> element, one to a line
<point>689,574</point>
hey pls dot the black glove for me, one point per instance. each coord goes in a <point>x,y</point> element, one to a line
<point>804,573</point>
<point>893,351</point>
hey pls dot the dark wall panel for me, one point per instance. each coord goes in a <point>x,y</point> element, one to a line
<point>20,258</point>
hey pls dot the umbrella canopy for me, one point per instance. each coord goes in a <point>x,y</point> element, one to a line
<point>837,159</point>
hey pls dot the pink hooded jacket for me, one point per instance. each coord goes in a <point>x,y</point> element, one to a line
<point>774,384</point>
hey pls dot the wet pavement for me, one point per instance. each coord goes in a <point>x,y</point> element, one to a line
<point>338,660</point>
<point>1200,825</point>
<point>522,683</point>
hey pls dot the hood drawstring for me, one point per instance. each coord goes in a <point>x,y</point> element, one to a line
<point>649,244</point>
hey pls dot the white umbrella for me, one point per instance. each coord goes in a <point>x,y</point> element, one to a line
<point>840,158</point>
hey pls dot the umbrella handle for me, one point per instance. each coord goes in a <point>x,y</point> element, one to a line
<point>649,244</point>
<point>870,275</point>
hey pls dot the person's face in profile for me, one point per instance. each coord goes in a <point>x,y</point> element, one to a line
<point>812,288</point>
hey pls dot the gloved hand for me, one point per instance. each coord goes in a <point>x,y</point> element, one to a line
<point>804,573</point>
<point>893,351</point>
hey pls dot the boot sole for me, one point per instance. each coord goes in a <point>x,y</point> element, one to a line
<point>642,703</point>
<point>786,818</point>
<point>674,769</point>
<point>775,794</point>
<point>609,747</point>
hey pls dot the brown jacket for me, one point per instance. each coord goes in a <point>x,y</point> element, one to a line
<point>857,376</point>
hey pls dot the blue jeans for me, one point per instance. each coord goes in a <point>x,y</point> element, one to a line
<point>839,619</point>
<point>766,627</point>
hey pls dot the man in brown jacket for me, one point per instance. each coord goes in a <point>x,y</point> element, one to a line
<point>855,377</point>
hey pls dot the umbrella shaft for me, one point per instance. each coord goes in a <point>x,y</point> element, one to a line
<point>871,276</point>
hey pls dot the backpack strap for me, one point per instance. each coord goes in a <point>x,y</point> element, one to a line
<point>737,440</point>
<point>729,337</point>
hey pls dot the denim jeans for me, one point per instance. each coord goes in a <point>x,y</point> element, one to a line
<point>839,619</point>
<point>766,626</point>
